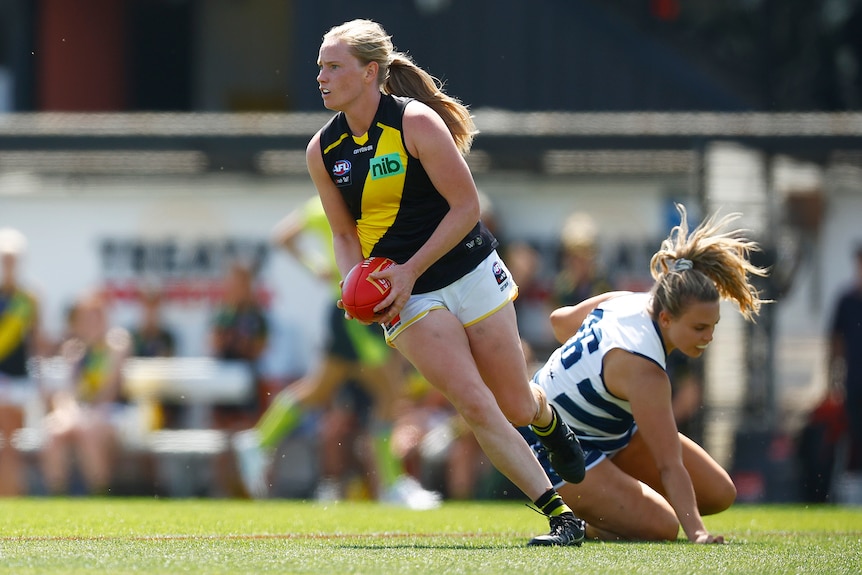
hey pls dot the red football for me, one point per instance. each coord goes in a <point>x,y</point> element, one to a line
<point>360,293</point>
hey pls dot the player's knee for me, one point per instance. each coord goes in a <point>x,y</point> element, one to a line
<point>520,413</point>
<point>519,410</point>
<point>660,526</point>
<point>667,530</point>
<point>720,497</point>
<point>476,409</point>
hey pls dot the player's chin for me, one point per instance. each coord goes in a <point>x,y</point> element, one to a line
<point>691,351</point>
<point>696,351</point>
<point>328,103</point>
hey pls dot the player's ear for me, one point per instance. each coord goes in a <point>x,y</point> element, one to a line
<point>371,71</point>
<point>664,318</point>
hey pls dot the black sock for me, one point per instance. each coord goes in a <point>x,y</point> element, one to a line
<point>551,504</point>
<point>549,429</point>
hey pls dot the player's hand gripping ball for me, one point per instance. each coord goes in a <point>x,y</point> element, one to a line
<point>360,293</point>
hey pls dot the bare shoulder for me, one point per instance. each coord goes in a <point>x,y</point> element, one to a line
<point>425,132</point>
<point>628,375</point>
<point>416,110</point>
<point>314,156</point>
<point>313,145</point>
<point>422,119</point>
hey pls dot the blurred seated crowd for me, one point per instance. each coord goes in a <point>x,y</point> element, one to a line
<point>82,415</point>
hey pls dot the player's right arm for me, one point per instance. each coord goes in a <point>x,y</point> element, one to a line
<point>345,241</point>
<point>286,235</point>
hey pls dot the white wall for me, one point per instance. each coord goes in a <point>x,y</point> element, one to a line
<point>66,220</point>
<point>624,208</point>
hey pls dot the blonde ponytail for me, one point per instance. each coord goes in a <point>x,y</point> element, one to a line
<point>705,265</point>
<point>407,79</point>
<point>399,76</point>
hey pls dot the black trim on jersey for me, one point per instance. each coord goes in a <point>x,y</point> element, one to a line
<point>422,207</point>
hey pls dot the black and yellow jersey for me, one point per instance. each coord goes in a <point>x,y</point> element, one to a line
<point>17,327</point>
<point>392,199</point>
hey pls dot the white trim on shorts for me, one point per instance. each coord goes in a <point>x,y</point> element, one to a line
<point>480,293</point>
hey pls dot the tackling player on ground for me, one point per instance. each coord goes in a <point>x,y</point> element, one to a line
<point>608,381</point>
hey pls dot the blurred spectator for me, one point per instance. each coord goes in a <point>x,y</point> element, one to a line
<point>579,276</point>
<point>20,339</point>
<point>817,447</point>
<point>151,338</point>
<point>686,378</point>
<point>240,332</point>
<point>85,413</point>
<point>845,361</point>
<point>488,215</point>
<point>533,304</point>
<point>438,446</point>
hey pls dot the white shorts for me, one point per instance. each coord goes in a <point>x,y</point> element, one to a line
<point>472,298</point>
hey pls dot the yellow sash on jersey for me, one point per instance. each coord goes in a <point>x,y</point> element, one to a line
<point>15,322</point>
<point>383,188</point>
<point>93,373</point>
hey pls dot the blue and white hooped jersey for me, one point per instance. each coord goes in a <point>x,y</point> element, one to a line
<point>573,375</point>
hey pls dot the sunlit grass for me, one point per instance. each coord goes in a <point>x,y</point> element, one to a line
<point>117,536</point>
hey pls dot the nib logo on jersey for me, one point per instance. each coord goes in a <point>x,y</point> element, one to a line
<point>386,166</point>
<point>341,173</point>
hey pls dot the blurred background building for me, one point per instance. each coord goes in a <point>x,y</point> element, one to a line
<point>147,143</point>
<point>586,55</point>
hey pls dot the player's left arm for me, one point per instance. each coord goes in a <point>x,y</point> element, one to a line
<point>647,388</point>
<point>428,139</point>
<point>567,320</point>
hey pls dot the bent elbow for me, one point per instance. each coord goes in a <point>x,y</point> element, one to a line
<point>558,325</point>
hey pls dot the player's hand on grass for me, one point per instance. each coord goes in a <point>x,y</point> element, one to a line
<point>704,537</point>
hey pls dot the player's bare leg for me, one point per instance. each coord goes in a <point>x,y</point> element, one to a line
<point>441,335</point>
<point>505,373</point>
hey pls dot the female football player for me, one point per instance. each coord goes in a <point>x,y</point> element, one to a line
<point>608,382</point>
<point>390,172</point>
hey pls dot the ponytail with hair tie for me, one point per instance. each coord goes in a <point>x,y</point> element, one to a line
<point>681,264</point>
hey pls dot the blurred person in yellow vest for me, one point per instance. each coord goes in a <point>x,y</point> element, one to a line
<point>20,339</point>
<point>85,413</point>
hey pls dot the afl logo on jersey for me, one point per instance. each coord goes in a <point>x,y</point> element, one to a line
<point>341,172</point>
<point>341,168</point>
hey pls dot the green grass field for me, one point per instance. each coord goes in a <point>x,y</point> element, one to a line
<point>148,536</point>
